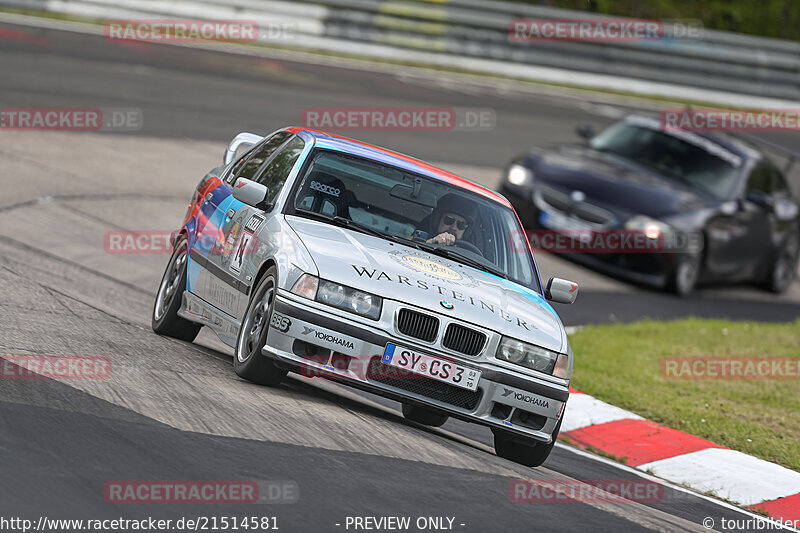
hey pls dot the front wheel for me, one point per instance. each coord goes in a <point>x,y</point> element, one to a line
<point>165,319</point>
<point>685,274</point>
<point>248,361</point>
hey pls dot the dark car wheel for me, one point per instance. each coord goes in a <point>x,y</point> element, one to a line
<point>685,274</point>
<point>248,361</point>
<point>424,416</point>
<point>165,320</point>
<point>524,453</point>
<point>784,268</point>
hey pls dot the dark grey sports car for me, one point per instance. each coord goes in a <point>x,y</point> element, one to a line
<point>719,208</point>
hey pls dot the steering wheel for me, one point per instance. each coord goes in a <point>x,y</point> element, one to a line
<point>461,243</point>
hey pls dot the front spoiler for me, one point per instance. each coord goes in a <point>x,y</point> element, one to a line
<point>513,403</point>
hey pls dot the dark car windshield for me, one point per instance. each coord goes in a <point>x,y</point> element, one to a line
<point>679,156</point>
<point>381,200</point>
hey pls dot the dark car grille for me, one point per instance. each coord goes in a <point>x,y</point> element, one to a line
<point>464,340</point>
<point>561,202</point>
<point>417,325</point>
<point>430,388</point>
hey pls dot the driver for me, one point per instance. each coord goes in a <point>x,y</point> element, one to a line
<point>451,218</point>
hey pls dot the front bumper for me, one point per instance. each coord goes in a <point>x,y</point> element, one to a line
<point>309,338</point>
<point>652,269</point>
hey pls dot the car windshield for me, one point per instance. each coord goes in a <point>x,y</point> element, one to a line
<point>680,156</point>
<point>381,200</point>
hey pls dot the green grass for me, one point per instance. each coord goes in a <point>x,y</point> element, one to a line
<point>621,364</point>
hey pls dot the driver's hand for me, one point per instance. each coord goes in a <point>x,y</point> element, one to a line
<point>445,238</point>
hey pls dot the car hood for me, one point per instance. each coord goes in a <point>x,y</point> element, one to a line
<point>409,275</point>
<point>612,182</point>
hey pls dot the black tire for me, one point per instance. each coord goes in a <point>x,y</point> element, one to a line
<point>685,274</point>
<point>423,416</point>
<point>525,453</point>
<point>783,269</point>
<point>165,319</point>
<point>248,361</point>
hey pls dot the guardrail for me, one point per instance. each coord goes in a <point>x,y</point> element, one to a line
<point>479,30</point>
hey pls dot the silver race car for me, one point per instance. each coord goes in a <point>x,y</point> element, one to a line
<point>333,258</point>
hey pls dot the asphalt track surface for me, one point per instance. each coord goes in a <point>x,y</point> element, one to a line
<point>176,411</point>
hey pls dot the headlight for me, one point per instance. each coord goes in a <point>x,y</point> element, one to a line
<point>339,296</point>
<point>519,175</point>
<point>533,357</point>
<point>306,286</point>
<point>652,229</point>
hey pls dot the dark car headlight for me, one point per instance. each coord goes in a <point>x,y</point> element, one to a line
<point>653,229</point>
<point>339,296</point>
<point>533,357</point>
<point>519,175</point>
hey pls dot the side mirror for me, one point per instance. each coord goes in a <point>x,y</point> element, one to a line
<point>561,291</point>
<point>243,139</point>
<point>585,131</point>
<point>250,192</point>
<point>785,210</point>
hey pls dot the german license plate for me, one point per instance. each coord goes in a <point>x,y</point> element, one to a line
<point>557,221</point>
<point>431,367</point>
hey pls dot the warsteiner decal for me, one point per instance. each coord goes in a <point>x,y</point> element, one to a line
<point>448,292</point>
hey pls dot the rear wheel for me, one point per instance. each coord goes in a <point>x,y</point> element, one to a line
<point>165,320</point>
<point>528,453</point>
<point>685,274</point>
<point>784,268</point>
<point>248,361</point>
<point>423,416</point>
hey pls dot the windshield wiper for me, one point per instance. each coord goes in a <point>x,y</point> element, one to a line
<point>458,256</point>
<point>357,226</point>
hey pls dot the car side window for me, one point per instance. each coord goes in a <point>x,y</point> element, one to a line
<point>261,155</point>
<point>760,180</point>
<point>780,187</point>
<point>275,173</point>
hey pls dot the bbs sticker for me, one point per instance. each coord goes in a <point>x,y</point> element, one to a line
<point>280,322</point>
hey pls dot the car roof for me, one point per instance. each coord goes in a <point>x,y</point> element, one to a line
<point>332,141</point>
